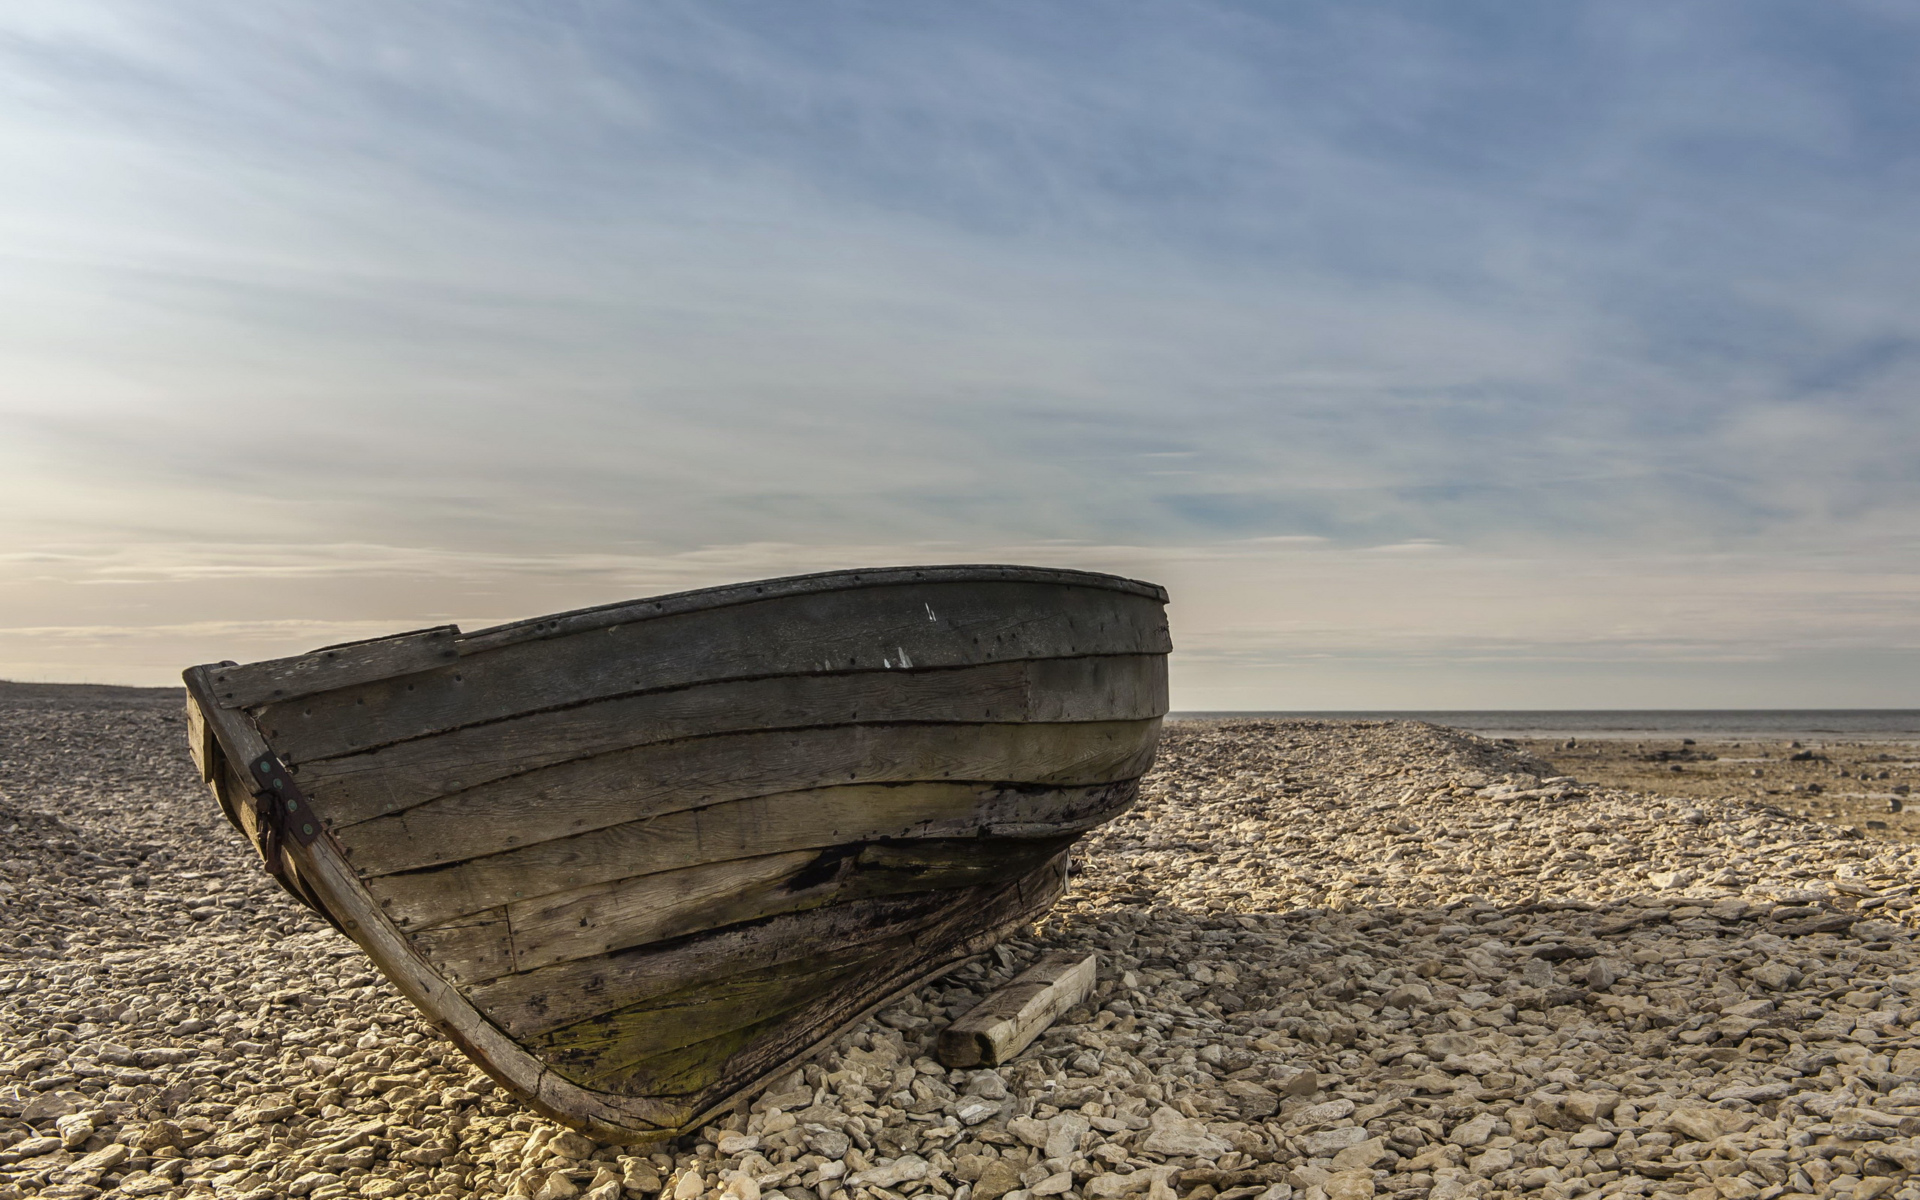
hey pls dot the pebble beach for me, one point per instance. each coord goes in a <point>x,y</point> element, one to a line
<point>1337,961</point>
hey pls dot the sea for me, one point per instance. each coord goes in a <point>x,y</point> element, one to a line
<point>1761,724</point>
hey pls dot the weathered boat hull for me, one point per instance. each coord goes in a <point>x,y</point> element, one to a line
<point>634,859</point>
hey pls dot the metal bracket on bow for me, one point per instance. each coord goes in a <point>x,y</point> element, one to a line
<point>280,810</point>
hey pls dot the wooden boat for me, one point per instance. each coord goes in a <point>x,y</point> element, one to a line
<point>635,859</point>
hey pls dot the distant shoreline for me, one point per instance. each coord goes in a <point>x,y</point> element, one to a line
<point>1786,724</point>
<point>1783,724</point>
<point>93,692</point>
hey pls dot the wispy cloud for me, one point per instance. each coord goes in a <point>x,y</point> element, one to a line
<point>404,306</point>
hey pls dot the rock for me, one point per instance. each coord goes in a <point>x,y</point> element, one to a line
<point>1176,1136</point>
<point>52,1105</point>
<point>641,1177</point>
<point>1329,1142</point>
<point>1434,1156</point>
<point>1474,1132</point>
<point>93,1165</point>
<point>1366,1154</point>
<point>1063,1134</point>
<point>34,1147</point>
<point>1033,1133</point>
<point>1481,1063</point>
<point>1442,1045</point>
<point>1775,974</point>
<point>1252,1101</point>
<point>733,1144</point>
<point>1572,1111</point>
<point>1706,1124</point>
<point>1320,1114</point>
<point>568,1144</point>
<point>1349,1185</point>
<point>996,1180</point>
<point>556,1186</point>
<point>1296,1082</point>
<point>892,1174</point>
<point>314,1180</point>
<point>1408,995</point>
<point>74,1128</point>
<point>1113,1186</point>
<point>828,1143</point>
<point>1491,1162</point>
<point>689,1185</point>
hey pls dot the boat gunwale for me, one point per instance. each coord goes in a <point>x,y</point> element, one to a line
<point>730,594</point>
<point>453,644</point>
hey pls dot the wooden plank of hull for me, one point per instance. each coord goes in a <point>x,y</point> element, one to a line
<point>334,667</point>
<point>372,783</point>
<point>654,908</point>
<point>534,1002</point>
<point>877,629</point>
<point>613,789</point>
<point>720,1065</point>
<point>657,1028</point>
<point>201,742</point>
<point>760,825</point>
<point>471,949</point>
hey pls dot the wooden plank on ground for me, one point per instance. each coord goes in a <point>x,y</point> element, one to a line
<point>613,789</point>
<point>1005,1023</point>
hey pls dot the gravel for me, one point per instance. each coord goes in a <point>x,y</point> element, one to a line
<point>1339,960</point>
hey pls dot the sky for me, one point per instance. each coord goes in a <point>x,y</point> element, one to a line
<point>1476,355</point>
